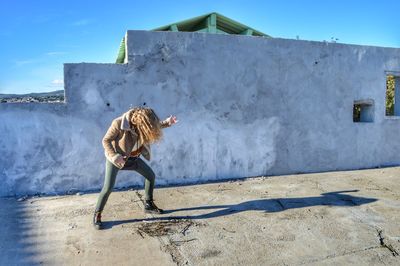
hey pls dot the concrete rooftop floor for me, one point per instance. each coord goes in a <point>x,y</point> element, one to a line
<point>336,218</point>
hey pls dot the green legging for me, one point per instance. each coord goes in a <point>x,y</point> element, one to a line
<point>136,164</point>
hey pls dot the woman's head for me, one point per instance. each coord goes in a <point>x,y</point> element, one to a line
<point>147,124</point>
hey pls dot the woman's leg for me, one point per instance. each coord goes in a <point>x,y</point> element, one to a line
<point>142,168</point>
<point>145,170</point>
<point>109,181</point>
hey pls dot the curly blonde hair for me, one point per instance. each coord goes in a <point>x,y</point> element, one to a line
<point>147,124</point>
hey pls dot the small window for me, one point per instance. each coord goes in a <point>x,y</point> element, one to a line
<point>392,87</point>
<point>363,111</point>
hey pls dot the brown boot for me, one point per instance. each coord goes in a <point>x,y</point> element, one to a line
<point>97,220</point>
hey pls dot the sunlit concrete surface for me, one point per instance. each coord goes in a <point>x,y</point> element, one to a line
<point>336,218</point>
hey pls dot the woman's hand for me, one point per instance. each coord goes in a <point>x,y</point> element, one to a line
<point>120,161</point>
<point>171,120</point>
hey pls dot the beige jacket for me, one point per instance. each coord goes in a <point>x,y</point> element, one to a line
<point>120,140</point>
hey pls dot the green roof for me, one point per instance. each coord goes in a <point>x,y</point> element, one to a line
<point>208,23</point>
<point>212,23</point>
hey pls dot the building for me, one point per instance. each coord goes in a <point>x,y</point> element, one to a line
<point>248,105</point>
<point>209,23</point>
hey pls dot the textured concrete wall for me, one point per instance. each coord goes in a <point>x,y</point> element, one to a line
<point>247,106</point>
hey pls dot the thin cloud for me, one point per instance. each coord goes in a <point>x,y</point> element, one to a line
<point>55,53</point>
<point>68,46</point>
<point>19,63</point>
<point>82,22</point>
<point>57,82</point>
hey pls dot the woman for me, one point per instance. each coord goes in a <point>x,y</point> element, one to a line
<point>128,137</point>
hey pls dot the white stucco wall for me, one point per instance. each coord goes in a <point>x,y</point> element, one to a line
<point>247,106</point>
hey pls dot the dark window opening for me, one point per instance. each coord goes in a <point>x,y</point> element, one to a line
<point>363,111</point>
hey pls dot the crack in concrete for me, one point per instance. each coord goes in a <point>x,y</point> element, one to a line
<point>386,245</point>
<point>170,247</point>
<point>381,237</point>
<point>382,244</point>
<point>335,255</point>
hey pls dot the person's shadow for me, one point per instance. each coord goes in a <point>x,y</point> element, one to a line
<point>337,198</point>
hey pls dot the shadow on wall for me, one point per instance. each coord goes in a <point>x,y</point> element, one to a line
<point>337,198</point>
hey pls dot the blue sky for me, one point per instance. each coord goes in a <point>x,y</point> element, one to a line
<point>37,37</point>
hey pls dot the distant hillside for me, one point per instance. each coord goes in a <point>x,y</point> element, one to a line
<point>45,97</point>
<point>33,94</point>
